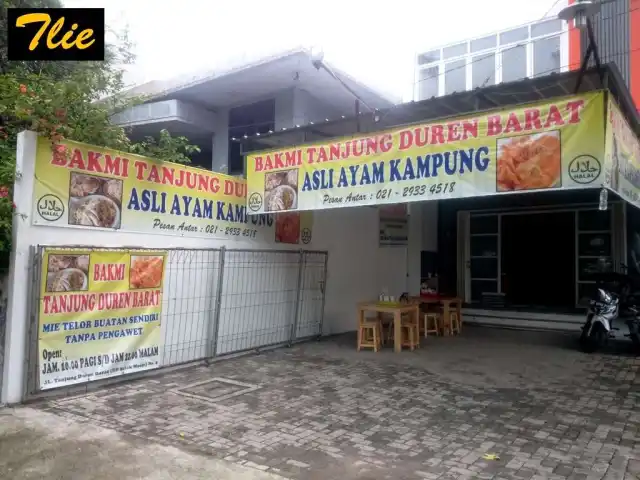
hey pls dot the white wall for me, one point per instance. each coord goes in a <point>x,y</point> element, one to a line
<point>299,107</point>
<point>285,111</point>
<point>308,108</point>
<point>358,267</point>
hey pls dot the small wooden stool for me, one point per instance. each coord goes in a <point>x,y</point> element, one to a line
<point>444,324</point>
<point>430,323</point>
<point>410,334</point>
<point>370,335</point>
<point>456,324</point>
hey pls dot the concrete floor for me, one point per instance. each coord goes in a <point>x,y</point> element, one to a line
<point>35,445</point>
<point>540,408</point>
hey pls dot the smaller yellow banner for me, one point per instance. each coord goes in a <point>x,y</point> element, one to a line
<point>90,187</point>
<point>99,314</point>
<point>622,156</point>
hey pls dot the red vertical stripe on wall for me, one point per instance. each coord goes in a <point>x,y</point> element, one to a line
<point>634,50</point>
<point>575,56</point>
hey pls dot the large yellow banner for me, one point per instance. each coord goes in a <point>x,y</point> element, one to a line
<point>622,156</point>
<point>546,146</point>
<point>99,314</point>
<point>84,186</point>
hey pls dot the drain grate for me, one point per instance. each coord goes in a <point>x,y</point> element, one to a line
<point>215,389</point>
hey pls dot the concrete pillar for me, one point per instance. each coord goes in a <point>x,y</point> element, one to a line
<point>220,142</point>
<point>16,329</point>
<point>414,248</point>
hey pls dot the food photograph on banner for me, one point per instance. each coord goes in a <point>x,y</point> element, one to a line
<point>83,186</point>
<point>546,146</point>
<point>99,314</point>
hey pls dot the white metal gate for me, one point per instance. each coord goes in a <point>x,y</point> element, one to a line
<point>217,302</point>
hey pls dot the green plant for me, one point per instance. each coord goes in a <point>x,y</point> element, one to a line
<point>67,100</point>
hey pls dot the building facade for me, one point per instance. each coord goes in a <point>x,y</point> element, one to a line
<point>526,51</point>
<point>617,34</point>
<point>270,94</point>
<point>538,48</point>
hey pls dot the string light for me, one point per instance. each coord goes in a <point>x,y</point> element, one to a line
<point>378,114</point>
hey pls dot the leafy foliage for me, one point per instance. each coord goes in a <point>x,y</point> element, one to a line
<point>67,100</point>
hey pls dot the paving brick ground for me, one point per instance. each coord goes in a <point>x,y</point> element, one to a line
<point>323,411</point>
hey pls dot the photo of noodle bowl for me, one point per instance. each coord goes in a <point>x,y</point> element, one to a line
<point>67,273</point>
<point>529,162</point>
<point>95,201</point>
<point>145,271</point>
<point>281,191</point>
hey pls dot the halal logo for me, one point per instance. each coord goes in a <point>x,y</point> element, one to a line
<point>50,208</point>
<point>255,202</point>
<point>305,235</point>
<point>584,169</point>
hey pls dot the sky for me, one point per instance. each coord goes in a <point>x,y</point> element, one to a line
<point>376,42</point>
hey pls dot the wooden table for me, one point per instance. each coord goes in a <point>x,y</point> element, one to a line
<point>396,310</point>
<point>446,303</point>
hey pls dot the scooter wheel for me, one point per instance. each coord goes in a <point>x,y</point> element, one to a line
<point>595,340</point>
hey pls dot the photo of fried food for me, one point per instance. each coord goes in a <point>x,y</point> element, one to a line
<point>529,162</point>
<point>145,271</point>
<point>67,273</point>
<point>288,228</point>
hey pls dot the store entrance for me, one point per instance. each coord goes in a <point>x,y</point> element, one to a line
<point>538,259</point>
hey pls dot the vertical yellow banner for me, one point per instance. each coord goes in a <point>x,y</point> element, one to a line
<point>99,314</point>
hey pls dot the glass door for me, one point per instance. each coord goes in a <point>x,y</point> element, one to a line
<point>594,250</point>
<point>484,255</point>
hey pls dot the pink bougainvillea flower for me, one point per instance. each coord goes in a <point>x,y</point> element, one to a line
<point>4,192</point>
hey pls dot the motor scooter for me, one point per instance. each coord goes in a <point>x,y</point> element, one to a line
<point>602,312</point>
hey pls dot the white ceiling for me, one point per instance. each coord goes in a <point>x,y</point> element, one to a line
<point>262,79</point>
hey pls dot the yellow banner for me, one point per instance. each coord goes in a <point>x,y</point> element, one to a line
<point>83,186</point>
<point>99,314</point>
<point>547,146</point>
<point>622,156</point>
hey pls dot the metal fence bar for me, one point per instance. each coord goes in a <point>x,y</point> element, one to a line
<point>215,302</point>
<point>31,385</point>
<point>323,289</point>
<point>296,312</point>
<point>215,327</point>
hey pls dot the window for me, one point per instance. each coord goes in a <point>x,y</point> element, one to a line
<point>429,57</point>
<point>454,50</point>
<point>483,265</point>
<point>594,250</point>
<point>483,70</point>
<point>455,79</point>
<point>546,56</point>
<point>546,28</point>
<point>513,64</point>
<point>484,43</point>
<point>515,35</point>
<point>429,80</point>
